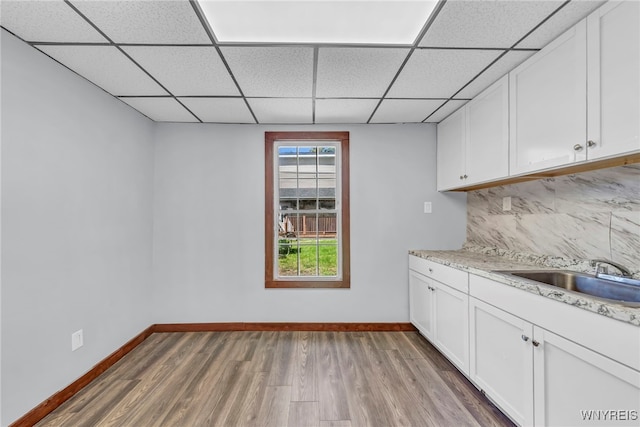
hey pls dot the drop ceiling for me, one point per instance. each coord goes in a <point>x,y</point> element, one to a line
<point>163,59</point>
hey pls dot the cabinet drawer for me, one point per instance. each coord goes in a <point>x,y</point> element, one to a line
<point>453,277</point>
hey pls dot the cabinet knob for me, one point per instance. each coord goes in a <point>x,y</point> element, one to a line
<point>535,343</point>
<point>431,270</point>
<point>577,147</point>
<point>465,176</point>
<point>461,177</point>
<point>525,338</point>
<point>591,143</point>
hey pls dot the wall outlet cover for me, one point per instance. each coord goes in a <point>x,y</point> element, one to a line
<point>506,203</point>
<point>77,340</point>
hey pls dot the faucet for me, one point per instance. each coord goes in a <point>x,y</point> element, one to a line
<point>603,269</point>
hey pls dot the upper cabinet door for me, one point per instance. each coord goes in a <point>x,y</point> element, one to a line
<point>451,139</point>
<point>487,145</point>
<point>613,33</point>
<point>548,105</point>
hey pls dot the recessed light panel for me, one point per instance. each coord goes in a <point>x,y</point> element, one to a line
<point>309,21</point>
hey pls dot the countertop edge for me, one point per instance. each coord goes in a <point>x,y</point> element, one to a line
<point>456,259</point>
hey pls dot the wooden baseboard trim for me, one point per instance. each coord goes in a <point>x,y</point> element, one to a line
<point>46,407</point>
<point>281,326</point>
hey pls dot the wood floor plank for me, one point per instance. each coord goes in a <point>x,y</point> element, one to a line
<point>340,423</point>
<point>274,411</point>
<point>367,403</point>
<point>406,409</point>
<point>135,401</point>
<point>447,402</point>
<point>304,414</point>
<point>91,415</point>
<point>281,370</point>
<point>331,391</point>
<point>269,378</point>
<point>476,403</point>
<point>305,372</point>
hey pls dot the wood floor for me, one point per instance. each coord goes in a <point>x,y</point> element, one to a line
<point>324,379</point>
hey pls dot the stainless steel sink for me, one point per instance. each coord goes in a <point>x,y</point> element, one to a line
<point>620,290</point>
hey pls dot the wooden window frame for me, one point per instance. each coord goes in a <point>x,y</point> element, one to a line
<point>270,280</point>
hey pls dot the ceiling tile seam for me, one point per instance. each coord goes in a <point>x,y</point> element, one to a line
<point>319,45</point>
<point>423,31</point>
<point>74,72</point>
<point>314,85</point>
<point>82,15</point>
<point>513,47</point>
<point>541,23</point>
<point>207,28</point>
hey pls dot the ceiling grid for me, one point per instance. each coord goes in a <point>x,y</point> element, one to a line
<point>162,57</point>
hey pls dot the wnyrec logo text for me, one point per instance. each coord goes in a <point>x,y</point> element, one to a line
<point>609,415</point>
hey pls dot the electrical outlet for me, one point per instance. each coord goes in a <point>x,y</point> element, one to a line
<point>427,207</point>
<point>506,203</point>
<point>77,340</point>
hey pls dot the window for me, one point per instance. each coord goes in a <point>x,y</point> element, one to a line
<point>307,210</point>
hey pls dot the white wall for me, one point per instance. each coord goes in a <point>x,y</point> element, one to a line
<point>76,219</point>
<point>209,225</point>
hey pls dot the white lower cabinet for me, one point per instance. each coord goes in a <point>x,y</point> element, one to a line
<point>421,303</point>
<point>502,359</point>
<point>540,378</point>
<point>441,312</point>
<point>451,324</point>
<point>575,386</point>
<point>543,362</point>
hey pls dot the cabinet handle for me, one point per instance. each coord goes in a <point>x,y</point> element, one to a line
<point>535,343</point>
<point>577,147</point>
<point>591,143</point>
<point>525,338</point>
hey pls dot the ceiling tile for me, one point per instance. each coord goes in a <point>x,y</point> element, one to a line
<point>405,110</point>
<point>269,110</point>
<point>171,22</point>
<point>219,110</point>
<point>439,73</point>
<point>272,71</point>
<point>448,108</point>
<point>357,72</point>
<point>107,67</point>
<point>560,22</point>
<point>46,21</point>
<point>487,24</point>
<point>505,64</point>
<point>161,109</point>
<point>186,70</point>
<point>344,110</point>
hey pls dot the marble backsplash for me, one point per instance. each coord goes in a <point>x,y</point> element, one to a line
<point>582,216</point>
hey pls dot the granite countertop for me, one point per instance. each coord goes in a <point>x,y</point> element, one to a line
<point>483,262</point>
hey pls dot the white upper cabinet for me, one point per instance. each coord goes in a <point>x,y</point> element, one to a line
<point>613,41</point>
<point>451,140</point>
<point>473,143</point>
<point>548,120</point>
<point>488,134</point>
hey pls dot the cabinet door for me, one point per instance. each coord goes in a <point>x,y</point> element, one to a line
<point>501,361</point>
<point>487,147</point>
<point>613,33</point>
<point>548,110</point>
<point>451,138</point>
<point>421,303</point>
<point>451,324</point>
<point>576,386</point>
